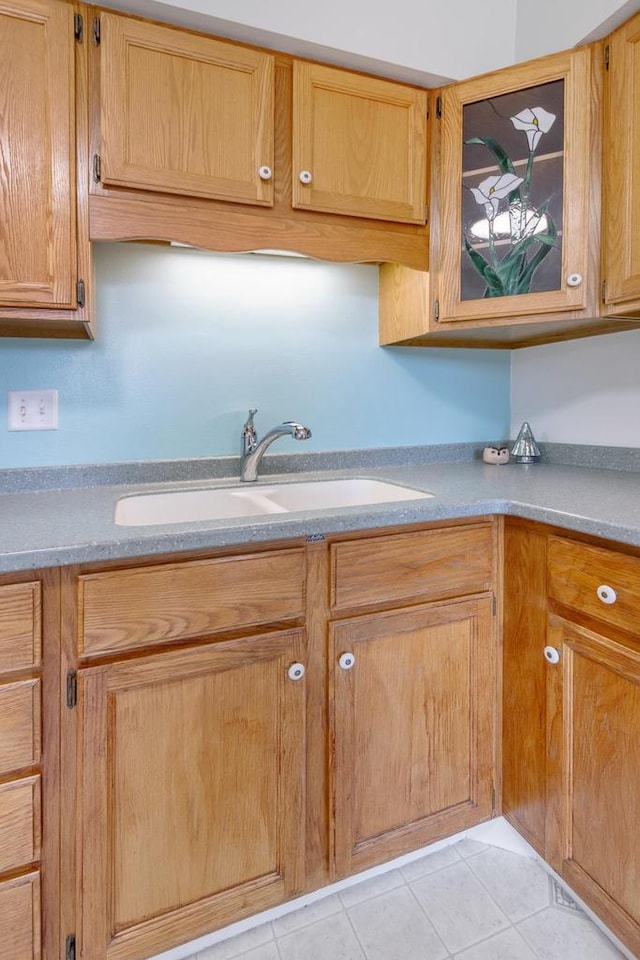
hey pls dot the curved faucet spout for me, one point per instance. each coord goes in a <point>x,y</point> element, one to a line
<point>253,449</point>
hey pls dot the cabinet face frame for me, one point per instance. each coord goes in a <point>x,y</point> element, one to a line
<point>126,42</point>
<point>581,171</point>
<point>621,170</point>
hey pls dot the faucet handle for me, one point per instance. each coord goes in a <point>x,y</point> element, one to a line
<point>249,435</point>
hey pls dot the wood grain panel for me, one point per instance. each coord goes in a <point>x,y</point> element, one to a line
<point>412,725</point>
<point>19,823</point>
<point>37,162</point>
<point>19,725</point>
<point>524,734</point>
<point>192,791</point>
<point>621,176</point>
<point>404,303</point>
<point>20,626</point>
<point>20,912</point>
<point>185,113</point>
<point>429,564</point>
<point>144,606</point>
<point>363,140</point>
<point>595,788</point>
<point>576,570</point>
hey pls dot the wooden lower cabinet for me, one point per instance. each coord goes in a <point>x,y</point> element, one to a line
<point>571,761</point>
<point>594,774</point>
<point>413,698</point>
<point>221,761</point>
<point>190,792</point>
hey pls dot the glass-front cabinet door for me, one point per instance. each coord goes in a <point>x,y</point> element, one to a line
<point>518,170</point>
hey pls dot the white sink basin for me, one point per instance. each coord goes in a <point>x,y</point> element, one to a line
<point>222,503</point>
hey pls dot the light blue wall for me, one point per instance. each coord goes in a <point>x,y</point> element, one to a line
<point>188,341</point>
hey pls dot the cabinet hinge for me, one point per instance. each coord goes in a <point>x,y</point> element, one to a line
<point>72,693</point>
<point>78,27</point>
<point>493,799</point>
<point>316,538</point>
<point>606,56</point>
<point>494,604</point>
<point>97,167</point>
<point>95,31</point>
<point>426,213</point>
<point>80,293</point>
<point>70,947</point>
<point>603,291</point>
<point>436,310</point>
<point>438,108</point>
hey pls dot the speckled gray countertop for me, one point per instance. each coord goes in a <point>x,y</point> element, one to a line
<point>72,524</point>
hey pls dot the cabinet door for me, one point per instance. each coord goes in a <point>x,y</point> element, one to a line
<point>515,174</point>
<point>412,728</point>
<point>595,773</point>
<point>183,113</point>
<point>191,787</point>
<point>37,158</point>
<point>359,145</point>
<point>621,166</point>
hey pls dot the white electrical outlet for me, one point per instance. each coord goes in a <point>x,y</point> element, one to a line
<point>33,410</point>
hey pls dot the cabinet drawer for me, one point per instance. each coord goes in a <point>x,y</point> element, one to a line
<point>19,725</point>
<point>144,606</point>
<point>577,573</point>
<point>19,823</point>
<point>20,619</point>
<point>427,565</point>
<point>20,918</point>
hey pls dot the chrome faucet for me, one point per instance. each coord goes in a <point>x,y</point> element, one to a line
<point>253,450</point>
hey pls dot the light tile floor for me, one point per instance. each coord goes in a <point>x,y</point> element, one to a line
<point>468,901</point>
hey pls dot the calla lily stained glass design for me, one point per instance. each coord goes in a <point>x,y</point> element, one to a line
<point>492,190</point>
<point>519,233</point>
<point>534,122</point>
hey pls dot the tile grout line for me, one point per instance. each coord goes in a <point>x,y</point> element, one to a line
<point>430,921</point>
<point>502,910</point>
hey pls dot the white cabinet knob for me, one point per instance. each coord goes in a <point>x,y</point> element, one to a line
<point>606,594</point>
<point>265,173</point>
<point>305,176</point>
<point>574,279</point>
<point>296,671</point>
<point>551,655</point>
<point>346,661</point>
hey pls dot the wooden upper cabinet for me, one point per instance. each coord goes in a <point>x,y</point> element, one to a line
<point>202,141</point>
<point>621,166</point>
<point>37,155</point>
<point>185,114</point>
<point>359,145</point>
<point>517,177</point>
